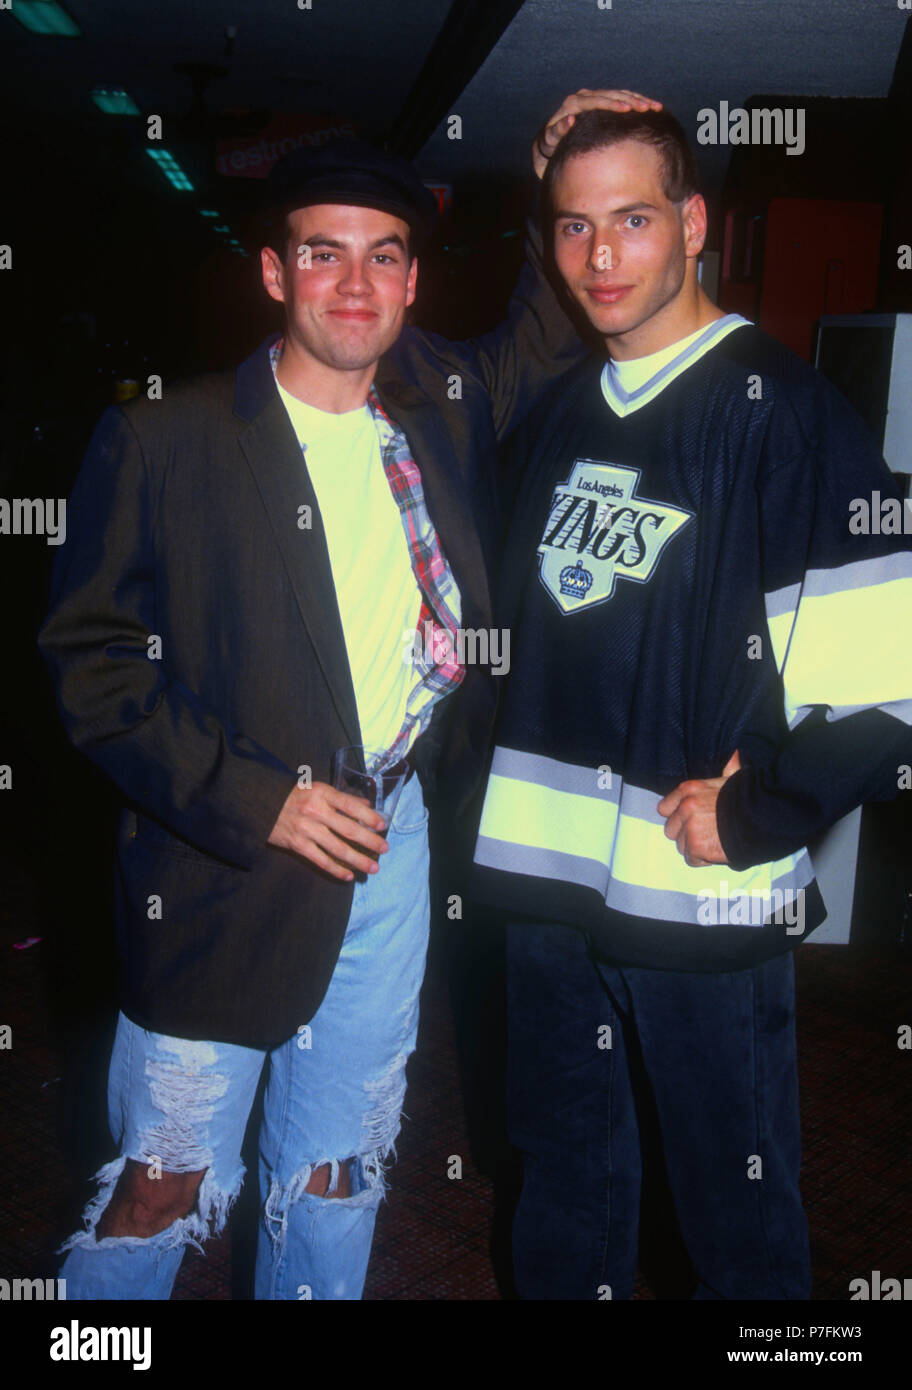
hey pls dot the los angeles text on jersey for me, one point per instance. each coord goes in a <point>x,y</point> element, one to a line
<point>76,1343</point>
<point>598,530</point>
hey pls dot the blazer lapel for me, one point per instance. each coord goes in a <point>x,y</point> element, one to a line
<point>277,463</point>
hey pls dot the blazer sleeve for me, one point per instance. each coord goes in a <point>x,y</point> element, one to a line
<point>838,594</point>
<point>157,740</point>
<point>535,344</point>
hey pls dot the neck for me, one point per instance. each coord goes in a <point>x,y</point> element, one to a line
<point>333,389</point>
<point>690,311</point>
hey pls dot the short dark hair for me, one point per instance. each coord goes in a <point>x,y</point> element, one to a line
<point>596,130</point>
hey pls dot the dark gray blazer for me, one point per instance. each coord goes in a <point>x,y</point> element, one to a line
<point>183,526</point>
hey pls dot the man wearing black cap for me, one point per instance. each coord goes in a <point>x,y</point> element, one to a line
<point>250,561</point>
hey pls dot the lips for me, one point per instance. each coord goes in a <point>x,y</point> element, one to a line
<point>354,315</point>
<point>608,294</point>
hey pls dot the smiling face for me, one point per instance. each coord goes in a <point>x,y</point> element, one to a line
<point>348,307</point>
<point>626,252</point>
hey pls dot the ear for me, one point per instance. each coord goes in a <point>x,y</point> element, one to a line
<point>693,218</point>
<point>273,274</point>
<point>411,282</point>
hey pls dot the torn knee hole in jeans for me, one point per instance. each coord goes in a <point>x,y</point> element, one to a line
<point>208,1216</point>
<point>184,1087</point>
<point>367,1188</point>
<point>379,1128</point>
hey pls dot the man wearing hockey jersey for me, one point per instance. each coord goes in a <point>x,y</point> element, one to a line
<point>703,679</point>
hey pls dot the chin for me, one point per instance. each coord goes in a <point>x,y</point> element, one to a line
<point>610,327</point>
<point>343,363</point>
<point>609,318</point>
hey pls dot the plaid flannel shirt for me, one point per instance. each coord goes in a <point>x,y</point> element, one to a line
<point>436,668</point>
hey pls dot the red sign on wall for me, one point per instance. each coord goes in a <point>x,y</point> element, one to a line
<point>443,192</point>
<point>252,156</point>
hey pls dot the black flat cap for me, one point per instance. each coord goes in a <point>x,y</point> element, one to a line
<point>353,172</point>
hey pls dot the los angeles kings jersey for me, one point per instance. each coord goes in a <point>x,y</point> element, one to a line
<point>681,580</point>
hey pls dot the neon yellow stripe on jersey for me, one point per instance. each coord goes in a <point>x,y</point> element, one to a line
<point>643,854</point>
<point>780,630</point>
<point>849,648</point>
<point>524,813</point>
<point>633,850</point>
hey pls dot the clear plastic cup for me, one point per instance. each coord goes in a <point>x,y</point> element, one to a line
<point>365,772</point>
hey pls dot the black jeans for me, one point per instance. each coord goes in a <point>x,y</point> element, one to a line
<point>717,1054</point>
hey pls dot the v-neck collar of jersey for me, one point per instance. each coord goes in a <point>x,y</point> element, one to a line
<point>624,403</point>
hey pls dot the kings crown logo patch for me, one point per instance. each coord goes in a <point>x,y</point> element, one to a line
<point>599,530</point>
<point>575,581</point>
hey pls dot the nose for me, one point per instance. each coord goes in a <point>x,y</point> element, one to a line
<point>355,279</point>
<point>604,253</point>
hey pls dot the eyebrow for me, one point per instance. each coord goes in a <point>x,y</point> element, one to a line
<point>318,239</point>
<point>630,207</point>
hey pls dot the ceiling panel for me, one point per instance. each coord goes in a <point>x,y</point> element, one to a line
<point>688,53</point>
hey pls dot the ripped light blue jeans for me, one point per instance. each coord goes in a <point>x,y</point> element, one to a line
<point>334,1095</point>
